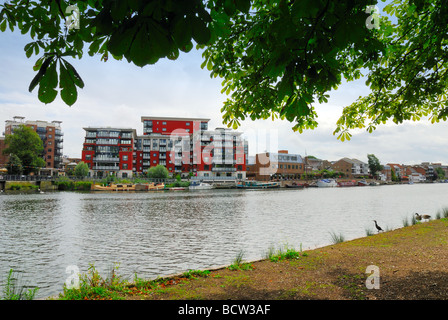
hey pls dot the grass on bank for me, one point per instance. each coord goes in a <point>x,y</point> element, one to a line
<point>15,290</point>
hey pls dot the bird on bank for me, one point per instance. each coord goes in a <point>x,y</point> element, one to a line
<point>377,226</point>
<point>424,217</point>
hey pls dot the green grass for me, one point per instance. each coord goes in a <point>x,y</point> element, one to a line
<point>286,253</point>
<point>337,238</point>
<point>14,290</point>
<point>92,286</point>
<point>239,264</point>
<point>192,274</point>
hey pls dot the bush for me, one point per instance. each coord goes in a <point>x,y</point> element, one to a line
<point>83,185</point>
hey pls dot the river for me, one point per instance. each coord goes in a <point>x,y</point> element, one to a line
<point>160,233</point>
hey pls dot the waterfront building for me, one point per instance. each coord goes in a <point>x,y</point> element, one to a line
<point>49,132</point>
<point>281,165</point>
<point>168,141</point>
<point>351,167</point>
<point>219,154</point>
<point>109,151</point>
<point>184,146</point>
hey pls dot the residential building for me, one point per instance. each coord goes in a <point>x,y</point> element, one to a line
<point>315,164</point>
<point>398,169</point>
<point>280,165</point>
<point>49,132</point>
<point>168,141</point>
<point>184,146</point>
<point>351,167</point>
<point>415,174</point>
<point>109,151</point>
<point>219,154</point>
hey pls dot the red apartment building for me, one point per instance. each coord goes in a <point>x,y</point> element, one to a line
<point>184,146</point>
<point>109,151</point>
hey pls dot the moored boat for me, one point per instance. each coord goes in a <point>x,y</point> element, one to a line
<point>362,183</point>
<point>257,185</point>
<point>295,185</point>
<point>347,183</point>
<point>114,187</point>
<point>327,183</point>
<point>195,185</point>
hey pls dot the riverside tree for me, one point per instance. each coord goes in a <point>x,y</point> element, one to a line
<point>158,172</point>
<point>27,146</point>
<point>81,170</point>
<point>277,58</point>
<point>374,164</point>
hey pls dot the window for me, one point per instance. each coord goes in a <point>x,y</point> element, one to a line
<point>163,129</point>
<point>125,166</point>
<point>163,123</point>
<point>88,156</point>
<point>187,123</point>
<point>125,158</point>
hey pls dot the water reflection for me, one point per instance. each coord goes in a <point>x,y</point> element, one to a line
<point>155,234</point>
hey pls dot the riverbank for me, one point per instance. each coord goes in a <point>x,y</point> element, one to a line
<point>411,263</point>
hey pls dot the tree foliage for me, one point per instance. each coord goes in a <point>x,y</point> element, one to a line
<point>27,146</point>
<point>14,165</point>
<point>374,164</point>
<point>158,172</point>
<point>81,170</point>
<point>277,58</point>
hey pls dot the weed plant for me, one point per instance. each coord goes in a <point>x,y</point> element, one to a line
<point>337,238</point>
<point>14,290</point>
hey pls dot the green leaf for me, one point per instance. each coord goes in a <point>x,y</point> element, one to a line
<point>181,32</point>
<point>69,93</point>
<point>242,5</point>
<point>76,77</point>
<point>3,26</point>
<point>42,70</point>
<point>141,52</point>
<point>201,34</point>
<point>121,39</point>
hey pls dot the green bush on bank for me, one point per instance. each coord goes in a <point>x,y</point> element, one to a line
<point>22,186</point>
<point>65,184</point>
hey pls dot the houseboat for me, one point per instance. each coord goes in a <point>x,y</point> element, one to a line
<point>295,185</point>
<point>325,183</point>
<point>196,185</point>
<point>352,183</point>
<point>257,185</point>
<point>114,187</point>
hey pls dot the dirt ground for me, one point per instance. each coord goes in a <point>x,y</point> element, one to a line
<point>411,263</point>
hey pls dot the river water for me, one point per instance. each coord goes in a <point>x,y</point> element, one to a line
<point>161,233</point>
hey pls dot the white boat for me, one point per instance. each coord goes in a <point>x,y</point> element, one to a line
<point>200,186</point>
<point>327,183</point>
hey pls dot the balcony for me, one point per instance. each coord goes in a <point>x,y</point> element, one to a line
<point>224,169</point>
<point>110,168</point>
<point>106,159</point>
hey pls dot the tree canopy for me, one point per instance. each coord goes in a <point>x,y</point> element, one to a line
<point>81,170</point>
<point>277,58</point>
<point>26,145</point>
<point>374,164</point>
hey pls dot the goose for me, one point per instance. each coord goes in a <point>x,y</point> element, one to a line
<point>424,217</point>
<point>40,191</point>
<point>377,226</point>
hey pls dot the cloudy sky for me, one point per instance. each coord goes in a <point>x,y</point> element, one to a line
<point>117,94</point>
